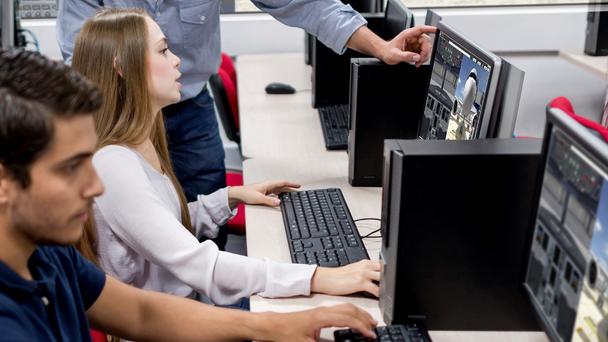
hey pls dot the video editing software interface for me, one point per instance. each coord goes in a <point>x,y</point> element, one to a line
<point>457,92</point>
<point>567,273</point>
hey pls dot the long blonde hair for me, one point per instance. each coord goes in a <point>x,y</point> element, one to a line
<point>111,50</point>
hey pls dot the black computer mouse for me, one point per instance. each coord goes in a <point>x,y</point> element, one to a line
<point>279,88</point>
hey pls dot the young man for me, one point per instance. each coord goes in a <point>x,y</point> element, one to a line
<point>47,183</point>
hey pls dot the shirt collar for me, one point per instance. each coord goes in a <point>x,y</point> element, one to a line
<point>38,264</point>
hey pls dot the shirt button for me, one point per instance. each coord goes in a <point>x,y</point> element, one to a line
<point>203,18</point>
<point>45,301</point>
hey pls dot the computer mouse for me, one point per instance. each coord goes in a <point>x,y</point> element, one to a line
<point>279,88</point>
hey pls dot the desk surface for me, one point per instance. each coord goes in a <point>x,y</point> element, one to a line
<point>597,65</point>
<point>278,125</point>
<point>282,136</point>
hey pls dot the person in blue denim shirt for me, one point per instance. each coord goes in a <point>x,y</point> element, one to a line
<point>192,28</point>
<point>48,291</point>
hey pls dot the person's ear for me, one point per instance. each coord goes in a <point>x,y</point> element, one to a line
<point>5,180</point>
<point>116,65</point>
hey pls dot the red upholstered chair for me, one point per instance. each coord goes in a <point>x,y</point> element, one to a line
<point>565,105</point>
<point>98,336</point>
<point>223,87</point>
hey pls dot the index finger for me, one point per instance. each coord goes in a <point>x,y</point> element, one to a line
<point>418,30</point>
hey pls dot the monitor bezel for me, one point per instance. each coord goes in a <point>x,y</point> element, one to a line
<point>485,56</point>
<point>594,147</point>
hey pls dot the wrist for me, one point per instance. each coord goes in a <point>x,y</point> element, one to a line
<point>233,196</point>
<point>317,281</point>
<point>261,326</point>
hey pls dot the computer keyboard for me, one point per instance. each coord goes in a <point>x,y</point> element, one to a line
<point>334,122</point>
<point>320,229</point>
<point>412,332</point>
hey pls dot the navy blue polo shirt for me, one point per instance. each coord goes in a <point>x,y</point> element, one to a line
<point>52,306</point>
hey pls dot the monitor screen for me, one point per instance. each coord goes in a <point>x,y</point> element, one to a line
<point>567,276</point>
<point>397,18</point>
<point>461,91</point>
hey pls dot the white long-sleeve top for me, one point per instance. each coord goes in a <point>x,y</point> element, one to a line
<point>143,242</point>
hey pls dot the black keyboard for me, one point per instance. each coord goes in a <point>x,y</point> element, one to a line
<point>320,229</point>
<point>334,122</point>
<point>413,332</point>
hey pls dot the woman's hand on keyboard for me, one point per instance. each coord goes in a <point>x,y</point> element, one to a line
<point>360,276</point>
<point>260,193</point>
<point>307,325</point>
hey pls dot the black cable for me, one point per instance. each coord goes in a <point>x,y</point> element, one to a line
<point>375,231</point>
<point>371,237</point>
<point>367,219</point>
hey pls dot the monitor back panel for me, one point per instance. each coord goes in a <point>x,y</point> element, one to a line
<point>386,102</point>
<point>459,227</point>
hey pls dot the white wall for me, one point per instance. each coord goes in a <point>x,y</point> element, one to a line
<point>527,28</point>
<point>513,28</point>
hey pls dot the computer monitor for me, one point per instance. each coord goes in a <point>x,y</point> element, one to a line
<point>567,276</point>
<point>456,228</point>
<point>462,90</point>
<point>397,17</point>
<point>432,18</point>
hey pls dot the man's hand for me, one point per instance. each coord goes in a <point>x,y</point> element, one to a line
<point>307,325</point>
<point>344,280</point>
<point>412,45</point>
<point>259,193</point>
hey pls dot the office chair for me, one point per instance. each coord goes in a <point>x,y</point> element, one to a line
<point>565,105</point>
<point>223,87</point>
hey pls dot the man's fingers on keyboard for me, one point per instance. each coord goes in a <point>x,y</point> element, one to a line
<point>348,315</point>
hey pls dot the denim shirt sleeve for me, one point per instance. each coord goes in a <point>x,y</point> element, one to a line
<point>332,22</point>
<point>72,15</point>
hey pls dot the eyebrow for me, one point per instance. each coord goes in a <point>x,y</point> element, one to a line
<point>162,40</point>
<point>77,157</point>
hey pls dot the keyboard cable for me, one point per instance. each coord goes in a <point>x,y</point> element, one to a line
<point>369,235</point>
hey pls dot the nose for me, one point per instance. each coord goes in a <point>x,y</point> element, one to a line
<point>94,187</point>
<point>177,60</point>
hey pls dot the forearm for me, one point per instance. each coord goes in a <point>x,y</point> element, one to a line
<point>367,42</point>
<point>170,318</point>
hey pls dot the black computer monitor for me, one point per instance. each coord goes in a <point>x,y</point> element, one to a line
<point>456,228</point>
<point>432,18</point>
<point>567,277</point>
<point>397,17</point>
<point>462,90</point>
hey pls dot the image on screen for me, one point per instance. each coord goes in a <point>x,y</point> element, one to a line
<point>457,92</point>
<point>568,267</point>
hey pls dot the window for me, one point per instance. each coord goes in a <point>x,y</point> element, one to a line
<point>557,252</point>
<point>568,272</point>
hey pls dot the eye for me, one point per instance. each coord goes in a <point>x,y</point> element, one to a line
<point>164,51</point>
<point>71,167</point>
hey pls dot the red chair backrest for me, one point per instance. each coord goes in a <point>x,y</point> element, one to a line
<point>565,105</point>
<point>230,88</point>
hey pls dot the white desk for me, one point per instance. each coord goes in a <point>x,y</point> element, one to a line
<point>278,125</point>
<point>597,65</point>
<point>282,136</point>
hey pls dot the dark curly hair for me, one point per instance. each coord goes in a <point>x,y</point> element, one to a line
<point>35,90</point>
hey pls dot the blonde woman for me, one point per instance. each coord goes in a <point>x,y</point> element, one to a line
<point>147,233</point>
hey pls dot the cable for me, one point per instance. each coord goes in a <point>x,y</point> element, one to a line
<point>372,237</point>
<point>375,231</point>
<point>368,219</point>
<point>33,36</point>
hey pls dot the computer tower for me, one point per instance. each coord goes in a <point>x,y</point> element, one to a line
<point>456,231</point>
<point>596,35</point>
<point>386,102</point>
